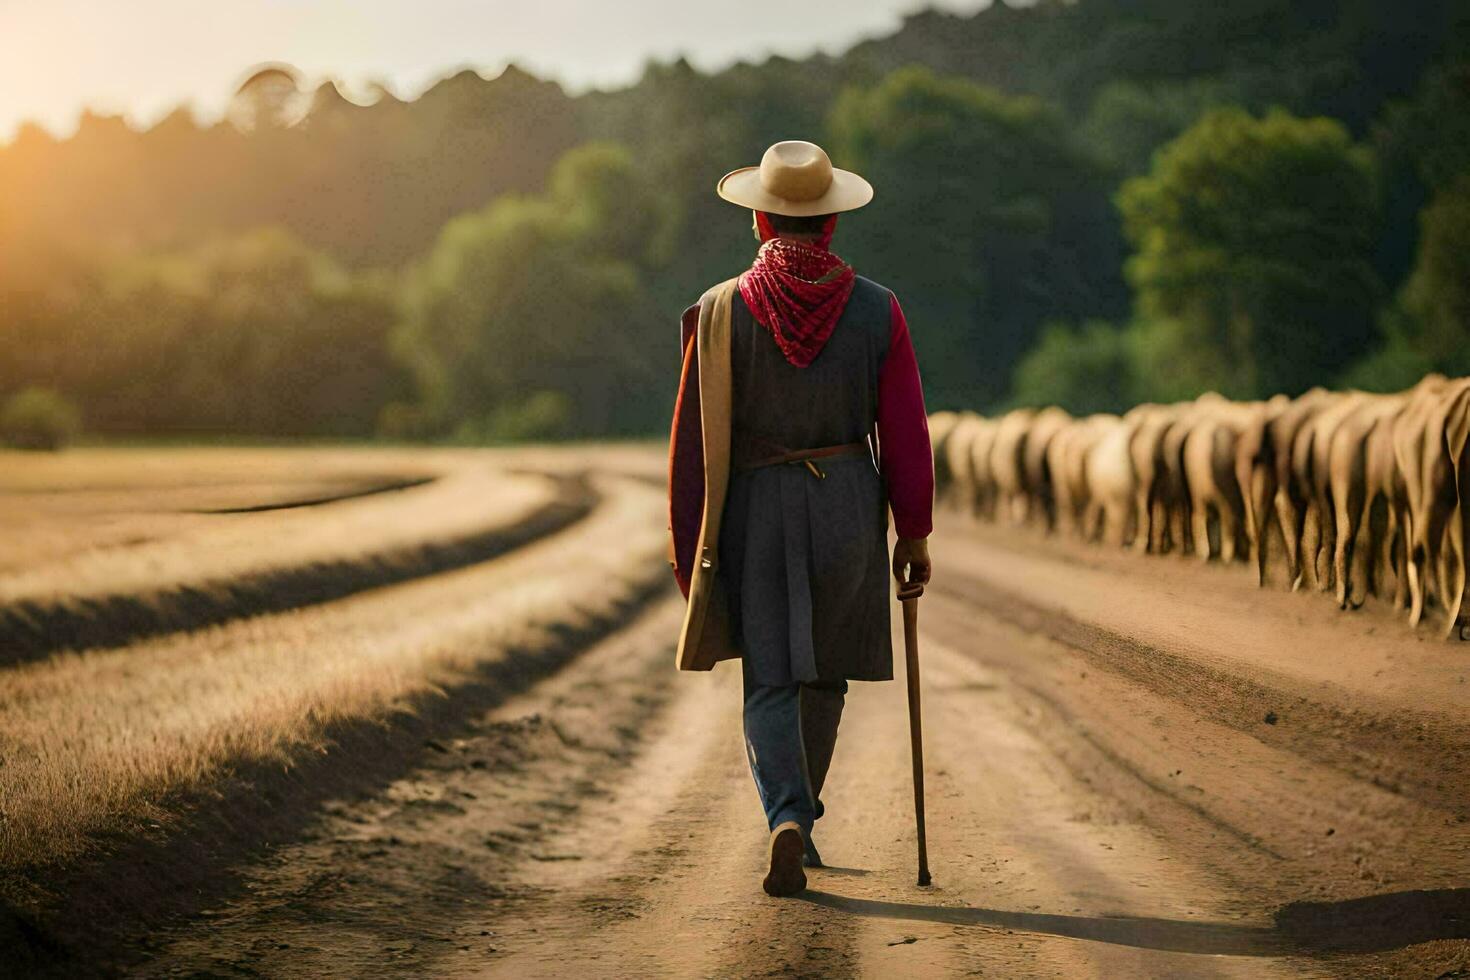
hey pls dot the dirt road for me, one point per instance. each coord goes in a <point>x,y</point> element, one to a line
<point>1136,768</point>
<point>1081,824</point>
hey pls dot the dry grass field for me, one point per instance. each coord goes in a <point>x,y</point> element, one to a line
<point>107,554</point>
<point>267,688</point>
<point>471,756</point>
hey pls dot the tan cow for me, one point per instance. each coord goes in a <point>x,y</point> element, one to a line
<point>1111,483</point>
<point>1291,494</point>
<point>1311,477</point>
<point>1171,477</point>
<point>1044,427</point>
<point>1065,460</point>
<point>1421,451</point>
<point>1210,473</point>
<point>1436,518</point>
<point>960,488</point>
<point>1255,474</point>
<point>1006,464</point>
<point>985,487</point>
<point>941,425</point>
<point>1457,444</point>
<point>1149,422</point>
<point>1381,472</point>
<point>1172,490</point>
<point>1361,471</point>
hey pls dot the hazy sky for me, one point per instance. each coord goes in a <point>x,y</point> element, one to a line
<point>143,57</point>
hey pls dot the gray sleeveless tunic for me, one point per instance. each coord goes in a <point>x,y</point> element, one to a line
<point>804,561</point>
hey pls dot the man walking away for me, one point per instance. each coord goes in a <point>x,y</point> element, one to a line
<point>800,423</point>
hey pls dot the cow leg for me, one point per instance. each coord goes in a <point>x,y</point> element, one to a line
<point>1346,518</point>
<point>1448,555</point>
<point>1455,587</point>
<point>1092,520</point>
<point>1431,569</point>
<point>1261,492</point>
<point>1322,562</point>
<point>1415,562</point>
<point>1143,540</point>
<point>1158,527</point>
<point>1201,524</point>
<point>1117,519</point>
<point>1452,571</point>
<point>1342,552</point>
<point>1370,544</point>
<point>1311,540</point>
<point>1179,527</point>
<point>1461,573</point>
<point>1393,556</point>
<point>1229,531</point>
<point>1289,516</point>
<point>1361,570</point>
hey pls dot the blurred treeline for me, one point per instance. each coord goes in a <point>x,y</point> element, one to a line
<point>1086,203</point>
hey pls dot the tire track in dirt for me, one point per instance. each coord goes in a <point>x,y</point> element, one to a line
<point>1052,855</point>
<point>1059,847</point>
<point>1366,881</point>
<point>438,650</point>
<point>409,879</point>
<point>35,628</point>
<point>1036,872</point>
<point>674,888</point>
<point>1393,741</point>
<point>295,503</point>
<point>668,878</point>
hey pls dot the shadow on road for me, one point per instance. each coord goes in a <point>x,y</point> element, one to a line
<point>1361,925</point>
<point>828,869</point>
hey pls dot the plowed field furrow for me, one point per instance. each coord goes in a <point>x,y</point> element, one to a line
<point>261,563</point>
<point>131,743</point>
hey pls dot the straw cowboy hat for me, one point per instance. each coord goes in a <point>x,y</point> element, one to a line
<point>795,178</point>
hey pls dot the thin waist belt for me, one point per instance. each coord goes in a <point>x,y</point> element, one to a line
<point>804,457</point>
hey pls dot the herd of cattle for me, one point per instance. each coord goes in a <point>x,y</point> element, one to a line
<point>1362,488</point>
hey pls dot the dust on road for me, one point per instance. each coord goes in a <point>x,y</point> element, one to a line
<point>1081,824</point>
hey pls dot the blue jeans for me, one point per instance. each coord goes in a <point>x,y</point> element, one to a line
<point>790,732</point>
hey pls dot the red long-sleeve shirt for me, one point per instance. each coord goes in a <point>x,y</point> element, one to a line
<point>904,451</point>
<point>905,455</point>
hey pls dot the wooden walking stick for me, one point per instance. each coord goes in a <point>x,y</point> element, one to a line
<point>908,594</point>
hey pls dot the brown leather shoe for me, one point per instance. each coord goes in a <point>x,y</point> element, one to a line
<point>787,847</point>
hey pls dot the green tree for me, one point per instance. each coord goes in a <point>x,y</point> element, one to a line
<point>1174,360</point>
<point>538,295</point>
<point>1423,146</point>
<point>39,418</point>
<point>1084,370</point>
<point>251,334</point>
<point>1128,122</point>
<point>988,221</point>
<point>1254,240</point>
<point>1437,295</point>
<point>686,128</point>
<point>1429,328</point>
<point>1432,130</point>
<point>255,333</point>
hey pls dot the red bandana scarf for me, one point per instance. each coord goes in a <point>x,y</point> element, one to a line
<point>797,290</point>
